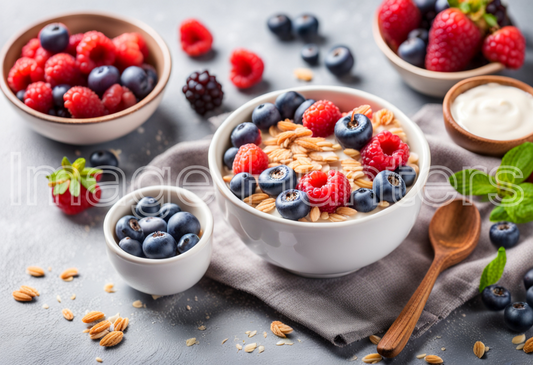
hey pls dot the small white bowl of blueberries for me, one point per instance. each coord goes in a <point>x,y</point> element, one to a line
<point>159,239</point>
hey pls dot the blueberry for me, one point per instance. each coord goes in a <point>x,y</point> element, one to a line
<point>496,297</point>
<point>306,26</point>
<point>364,200</point>
<point>102,78</point>
<point>276,179</point>
<point>421,33</point>
<point>243,185</point>
<point>187,242</point>
<point>528,279</point>
<point>131,246</point>
<point>287,103</point>
<point>152,224</point>
<point>21,95</point>
<point>529,297</point>
<point>310,53</point>
<point>182,223</point>
<point>54,37</point>
<point>504,234</point>
<point>128,226</point>
<point>299,113</point>
<point>63,113</point>
<point>425,6</point>
<point>168,210</point>
<point>160,245</point>
<point>229,156</point>
<point>245,133</point>
<point>407,173</point>
<point>413,51</point>
<point>136,79</point>
<point>353,133</point>
<point>293,204</point>
<point>280,25</point>
<point>339,60</point>
<point>147,207</point>
<point>518,316</point>
<point>58,92</point>
<point>150,72</point>
<point>52,112</point>
<point>389,186</point>
<point>265,115</point>
<point>441,5</point>
<point>103,159</point>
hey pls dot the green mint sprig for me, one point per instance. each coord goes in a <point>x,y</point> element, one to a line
<point>494,270</point>
<point>508,186</point>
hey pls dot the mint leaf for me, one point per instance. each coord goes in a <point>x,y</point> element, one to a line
<point>74,187</point>
<point>494,270</point>
<point>61,188</point>
<point>90,171</point>
<point>465,7</point>
<point>79,164</point>
<point>473,182</point>
<point>517,162</point>
<point>491,20</point>
<point>65,162</point>
<point>89,183</point>
<point>499,214</point>
<point>520,205</point>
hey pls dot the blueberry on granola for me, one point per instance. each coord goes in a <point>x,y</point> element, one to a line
<point>276,179</point>
<point>293,204</point>
<point>243,185</point>
<point>287,103</point>
<point>265,115</point>
<point>229,157</point>
<point>353,131</point>
<point>245,133</point>
<point>364,200</point>
<point>389,186</point>
<point>407,173</point>
<point>299,113</point>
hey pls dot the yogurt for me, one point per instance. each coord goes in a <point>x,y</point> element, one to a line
<point>495,112</point>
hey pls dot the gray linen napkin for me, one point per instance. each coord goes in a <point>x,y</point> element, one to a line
<point>347,309</point>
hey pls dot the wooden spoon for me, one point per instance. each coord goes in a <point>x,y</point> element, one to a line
<point>454,233</point>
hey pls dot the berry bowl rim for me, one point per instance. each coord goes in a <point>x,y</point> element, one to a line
<point>490,68</point>
<point>112,217</point>
<point>216,173</point>
<point>162,81</point>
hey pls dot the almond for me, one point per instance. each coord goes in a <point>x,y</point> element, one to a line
<point>372,358</point>
<point>121,324</point>
<point>519,339</point>
<point>32,292</point>
<point>374,339</point>
<point>99,335</point>
<point>433,359</point>
<point>100,327</point>
<point>69,273</point>
<point>35,271</point>
<point>112,339</point>
<point>92,316</point>
<point>250,347</point>
<point>22,297</point>
<point>479,349</point>
<point>280,329</point>
<point>528,346</point>
<point>67,313</point>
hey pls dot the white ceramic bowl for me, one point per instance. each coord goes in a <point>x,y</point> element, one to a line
<point>320,249</point>
<point>90,130</point>
<point>164,276</point>
<point>428,82</point>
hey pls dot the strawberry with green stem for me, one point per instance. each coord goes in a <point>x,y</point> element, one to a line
<point>74,186</point>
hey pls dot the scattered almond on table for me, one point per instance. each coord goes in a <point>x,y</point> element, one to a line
<point>519,339</point>
<point>25,294</point>
<point>109,288</point>
<point>280,329</point>
<point>372,358</point>
<point>67,313</point>
<point>374,339</point>
<point>92,316</point>
<point>69,274</point>
<point>528,346</point>
<point>35,271</point>
<point>121,324</point>
<point>433,359</point>
<point>479,349</point>
<point>112,339</point>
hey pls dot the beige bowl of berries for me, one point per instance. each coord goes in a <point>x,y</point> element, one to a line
<point>475,41</point>
<point>85,78</point>
<point>300,195</point>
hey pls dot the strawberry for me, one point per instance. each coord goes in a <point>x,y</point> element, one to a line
<point>396,19</point>
<point>507,46</point>
<point>454,40</point>
<point>74,186</point>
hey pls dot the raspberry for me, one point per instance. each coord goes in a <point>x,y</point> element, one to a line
<point>61,69</point>
<point>24,72</point>
<point>39,97</point>
<point>321,118</point>
<point>385,151</point>
<point>203,91</point>
<point>507,46</point>
<point>453,41</point>
<point>396,19</point>
<point>247,68</point>
<point>94,50</point>
<point>250,158</point>
<point>73,42</point>
<point>29,49</point>
<point>195,38</point>
<point>131,50</point>
<point>82,102</point>
<point>118,98</point>
<point>326,191</point>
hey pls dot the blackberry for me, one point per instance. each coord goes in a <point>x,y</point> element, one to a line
<point>203,92</point>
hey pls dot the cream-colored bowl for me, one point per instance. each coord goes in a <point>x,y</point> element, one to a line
<point>320,249</point>
<point>428,82</point>
<point>161,276</point>
<point>90,130</point>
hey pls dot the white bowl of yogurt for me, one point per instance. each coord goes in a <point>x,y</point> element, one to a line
<point>320,249</point>
<point>489,114</point>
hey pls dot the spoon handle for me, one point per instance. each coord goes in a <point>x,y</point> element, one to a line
<point>398,334</point>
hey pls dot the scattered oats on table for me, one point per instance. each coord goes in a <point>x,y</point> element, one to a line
<point>189,307</point>
<point>202,328</point>
<point>519,339</point>
<point>224,341</point>
<point>99,360</point>
<point>374,339</point>
<point>250,347</point>
<point>137,304</point>
<point>372,358</point>
<point>110,288</point>
<point>191,341</point>
<point>239,347</point>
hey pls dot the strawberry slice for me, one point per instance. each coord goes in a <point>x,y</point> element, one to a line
<point>74,186</point>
